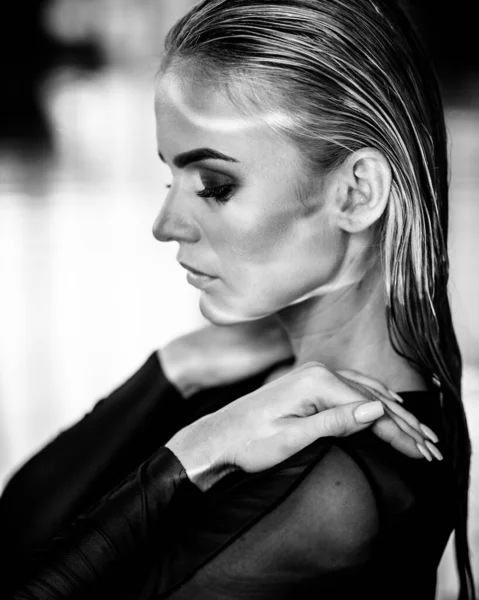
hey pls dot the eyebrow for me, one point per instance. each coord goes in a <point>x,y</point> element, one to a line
<point>196,155</point>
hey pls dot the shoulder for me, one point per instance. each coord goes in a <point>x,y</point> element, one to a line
<point>336,508</point>
<point>322,515</point>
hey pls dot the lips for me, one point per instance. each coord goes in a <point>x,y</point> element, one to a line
<point>194,271</point>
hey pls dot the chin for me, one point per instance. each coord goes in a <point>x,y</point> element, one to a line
<point>219,314</point>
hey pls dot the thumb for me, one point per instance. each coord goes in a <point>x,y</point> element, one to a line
<point>340,421</point>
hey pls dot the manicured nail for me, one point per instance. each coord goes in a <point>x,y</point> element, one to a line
<point>423,451</point>
<point>429,433</point>
<point>369,411</point>
<point>433,450</point>
<point>396,396</point>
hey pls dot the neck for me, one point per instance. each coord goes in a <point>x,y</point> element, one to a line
<point>347,329</point>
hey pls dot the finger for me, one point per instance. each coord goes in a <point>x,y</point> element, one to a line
<point>328,390</point>
<point>413,421</point>
<point>344,391</point>
<point>400,411</point>
<point>373,394</point>
<point>410,430</point>
<point>369,382</point>
<point>339,421</point>
<point>389,431</point>
<point>405,420</point>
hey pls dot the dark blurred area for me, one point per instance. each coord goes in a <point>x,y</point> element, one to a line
<point>449,33</point>
<point>28,53</point>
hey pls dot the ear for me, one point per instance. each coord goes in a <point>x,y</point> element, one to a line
<point>364,189</point>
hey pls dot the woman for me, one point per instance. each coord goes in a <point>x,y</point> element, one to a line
<point>308,152</point>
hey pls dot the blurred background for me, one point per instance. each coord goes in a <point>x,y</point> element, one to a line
<point>85,287</point>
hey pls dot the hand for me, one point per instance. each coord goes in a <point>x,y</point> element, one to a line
<point>261,429</point>
<point>220,355</point>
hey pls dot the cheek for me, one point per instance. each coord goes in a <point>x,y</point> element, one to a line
<point>268,261</point>
<point>272,258</point>
<point>256,237</point>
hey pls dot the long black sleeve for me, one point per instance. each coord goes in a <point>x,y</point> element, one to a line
<point>86,461</point>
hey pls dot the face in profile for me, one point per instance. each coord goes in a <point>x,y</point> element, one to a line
<point>241,206</point>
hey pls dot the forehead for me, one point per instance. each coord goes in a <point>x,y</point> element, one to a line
<point>203,105</point>
<point>191,114</point>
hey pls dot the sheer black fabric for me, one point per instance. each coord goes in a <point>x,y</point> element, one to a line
<point>106,511</point>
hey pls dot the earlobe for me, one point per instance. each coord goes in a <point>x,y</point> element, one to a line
<point>366,187</point>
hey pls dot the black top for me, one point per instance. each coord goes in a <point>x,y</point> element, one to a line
<point>105,511</point>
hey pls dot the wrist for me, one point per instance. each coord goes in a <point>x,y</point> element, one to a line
<point>196,450</point>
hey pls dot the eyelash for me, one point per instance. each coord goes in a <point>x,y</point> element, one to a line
<point>220,193</point>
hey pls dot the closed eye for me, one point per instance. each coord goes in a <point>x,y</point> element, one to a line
<point>220,193</point>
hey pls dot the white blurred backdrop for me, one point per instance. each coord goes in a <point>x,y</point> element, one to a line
<point>87,293</point>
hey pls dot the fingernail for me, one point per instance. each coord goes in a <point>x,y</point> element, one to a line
<point>429,433</point>
<point>369,411</point>
<point>423,451</point>
<point>433,450</point>
<point>395,396</point>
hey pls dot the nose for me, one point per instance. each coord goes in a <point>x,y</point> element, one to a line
<point>173,225</point>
